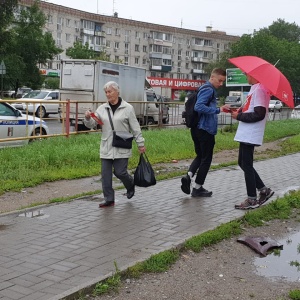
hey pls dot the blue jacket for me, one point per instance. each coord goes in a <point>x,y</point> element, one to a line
<point>207,109</point>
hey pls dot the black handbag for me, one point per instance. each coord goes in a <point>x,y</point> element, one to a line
<point>121,139</point>
<point>144,175</point>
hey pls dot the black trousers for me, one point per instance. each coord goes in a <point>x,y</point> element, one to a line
<point>252,179</point>
<point>204,143</point>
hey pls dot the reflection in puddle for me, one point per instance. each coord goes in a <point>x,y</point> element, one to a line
<point>38,214</point>
<point>284,263</point>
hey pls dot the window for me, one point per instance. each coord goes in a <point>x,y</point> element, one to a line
<point>136,60</point>
<point>136,48</point>
<point>156,48</point>
<point>68,37</point>
<point>68,22</point>
<point>76,24</point>
<point>50,19</point>
<point>145,35</point>
<point>137,35</point>
<point>126,48</point>
<point>199,42</point>
<point>117,45</point>
<point>144,48</point>
<point>89,25</point>
<point>187,65</point>
<point>126,60</point>
<point>208,43</point>
<point>144,61</point>
<point>107,44</point>
<point>117,31</point>
<point>187,53</point>
<point>108,30</point>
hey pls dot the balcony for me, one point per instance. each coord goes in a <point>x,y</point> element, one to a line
<point>160,68</point>
<point>198,71</point>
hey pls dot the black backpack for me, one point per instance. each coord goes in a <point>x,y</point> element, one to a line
<point>190,115</point>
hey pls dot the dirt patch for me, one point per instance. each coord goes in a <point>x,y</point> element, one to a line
<point>225,271</point>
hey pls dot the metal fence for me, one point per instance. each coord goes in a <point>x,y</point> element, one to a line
<point>68,122</point>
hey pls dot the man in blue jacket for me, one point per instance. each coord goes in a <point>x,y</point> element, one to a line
<point>204,134</point>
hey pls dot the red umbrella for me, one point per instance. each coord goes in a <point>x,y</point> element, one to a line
<point>268,75</point>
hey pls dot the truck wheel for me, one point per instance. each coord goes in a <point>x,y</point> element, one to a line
<point>149,121</point>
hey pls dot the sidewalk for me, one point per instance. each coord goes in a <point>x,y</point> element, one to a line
<point>54,251</point>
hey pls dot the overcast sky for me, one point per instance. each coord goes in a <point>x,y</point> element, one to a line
<point>236,17</point>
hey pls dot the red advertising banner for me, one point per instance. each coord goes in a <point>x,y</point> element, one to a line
<point>178,84</point>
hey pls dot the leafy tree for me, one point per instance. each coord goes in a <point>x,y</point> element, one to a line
<point>24,45</point>
<point>80,51</point>
<point>284,30</point>
<point>271,46</point>
<point>6,18</point>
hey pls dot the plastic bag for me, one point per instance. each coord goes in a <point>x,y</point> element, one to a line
<point>144,175</point>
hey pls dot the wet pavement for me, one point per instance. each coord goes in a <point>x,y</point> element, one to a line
<point>53,251</point>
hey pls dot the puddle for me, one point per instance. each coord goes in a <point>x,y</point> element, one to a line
<point>37,214</point>
<point>284,264</point>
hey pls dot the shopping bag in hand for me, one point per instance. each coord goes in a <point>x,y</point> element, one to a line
<point>144,175</point>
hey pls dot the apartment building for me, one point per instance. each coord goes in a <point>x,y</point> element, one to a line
<point>169,54</point>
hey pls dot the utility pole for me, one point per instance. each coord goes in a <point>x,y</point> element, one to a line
<point>2,72</point>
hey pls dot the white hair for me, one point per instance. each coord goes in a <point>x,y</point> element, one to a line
<point>112,84</point>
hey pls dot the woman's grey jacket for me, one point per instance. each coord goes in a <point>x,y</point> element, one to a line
<point>124,119</point>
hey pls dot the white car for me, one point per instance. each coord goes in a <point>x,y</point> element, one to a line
<point>40,103</point>
<point>275,105</point>
<point>14,124</point>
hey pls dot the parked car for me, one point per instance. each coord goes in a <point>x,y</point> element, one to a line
<point>20,92</point>
<point>14,124</point>
<point>234,101</point>
<point>8,94</point>
<point>275,105</point>
<point>296,112</point>
<point>41,104</point>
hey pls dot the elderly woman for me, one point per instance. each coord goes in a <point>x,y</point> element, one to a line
<point>114,158</point>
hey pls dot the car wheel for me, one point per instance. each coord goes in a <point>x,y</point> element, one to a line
<point>40,112</point>
<point>37,132</point>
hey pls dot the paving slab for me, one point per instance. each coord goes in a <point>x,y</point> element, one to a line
<point>53,251</point>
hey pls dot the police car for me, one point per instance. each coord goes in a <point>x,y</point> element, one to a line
<point>14,124</point>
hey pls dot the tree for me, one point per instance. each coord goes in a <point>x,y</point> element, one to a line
<point>80,51</point>
<point>24,45</point>
<point>6,18</point>
<point>268,44</point>
<point>284,30</point>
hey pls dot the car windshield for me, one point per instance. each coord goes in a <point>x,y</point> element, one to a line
<point>273,101</point>
<point>31,94</point>
<point>232,98</point>
<point>40,95</point>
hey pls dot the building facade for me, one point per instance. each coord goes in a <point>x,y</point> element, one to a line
<point>164,51</point>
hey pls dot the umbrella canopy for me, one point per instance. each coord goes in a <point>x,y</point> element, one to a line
<point>268,75</point>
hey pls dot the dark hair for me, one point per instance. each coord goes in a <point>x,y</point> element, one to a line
<point>218,71</point>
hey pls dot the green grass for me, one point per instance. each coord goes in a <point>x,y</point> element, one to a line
<point>78,156</point>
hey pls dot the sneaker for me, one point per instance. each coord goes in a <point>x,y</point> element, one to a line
<point>186,184</point>
<point>202,192</point>
<point>104,204</point>
<point>264,195</point>
<point>248,204</point>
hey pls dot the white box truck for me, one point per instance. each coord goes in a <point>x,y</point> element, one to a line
<point>83,81</point>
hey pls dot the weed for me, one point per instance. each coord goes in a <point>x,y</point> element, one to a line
<point>294,294</point>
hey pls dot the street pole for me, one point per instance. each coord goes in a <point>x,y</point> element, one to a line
<point>2,71</point>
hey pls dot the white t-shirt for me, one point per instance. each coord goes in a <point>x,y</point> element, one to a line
<point>253,133</point>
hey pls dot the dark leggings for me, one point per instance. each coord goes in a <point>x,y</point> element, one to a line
<point>252,179</point>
